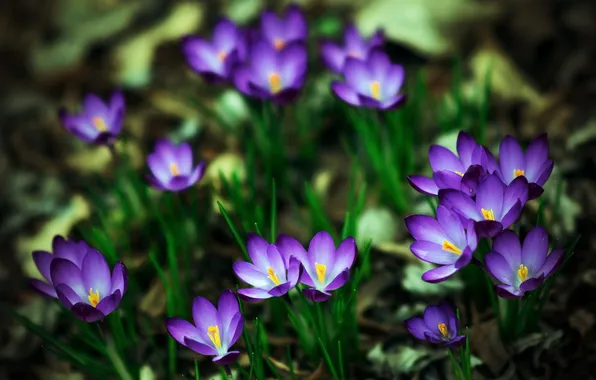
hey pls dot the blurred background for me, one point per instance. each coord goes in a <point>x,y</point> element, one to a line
<point>540,54</point>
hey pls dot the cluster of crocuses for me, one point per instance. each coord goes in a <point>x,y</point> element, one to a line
<point>481,198</point>
<point>270,62</point>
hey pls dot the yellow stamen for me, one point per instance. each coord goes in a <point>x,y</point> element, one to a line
<point>222,55</point>
<point>213,332</point>
<point>99,124</point>
<point>522,272</point>
<point>488,214</point>
<point>274,83</point>
<point>272,276</point>
<point>450,247</point>
<point>321,271</point>
<point>93,297</point>
<point>174,169</point>
<point>443,329</point>
<point>518,173</point>
<point>279,44</point>
<point>459,174</point>
<point>375,90</point>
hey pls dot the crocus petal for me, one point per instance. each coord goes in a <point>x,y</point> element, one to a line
<point>460,203</point>
<point>321,250</point>
<point>234,330</point>
<point>225,35</point>
<point>439,274</point>
<point>253,294</point>
<point>433,317</point>
<point>345,93</point>
<point>42,260</point>
<point>536,155</point>
<point>432,253</point>
<point>227,307</point>
<point>442,158</point>
<point>109,303</point>
<point>379,64</point>
<point>279,290</point>
<point>531,284</point>
<point>499,268</point>
<point>488,228</point>
<point>94,106</point>
<point>507,245</point>
<point>155,183</point>
<point>423,184</point>
<point>86,313</point>
<point>227,359</point>
<point>446,179</point>
<point>357,75</point>
<point>464,259</point>
<point>293,59</point>
<point>250,274</point>
<point>512,158</point>
<point>452,226</point>
<point>257,250</point>
<point>296,27</point>
<point>489,195</point>
<point>394,79</point>
<point>159,167</point>
<point>204,314</point>
<point>67,295</point>
<point>338,281</point>
<point>552,262</point>
<point>276,262</point>
<point>457,341</point>
<point>184,158</point>
<point>197,173</point>
<point>344,256</point>
<point>508,291</point>
<point>96,273</point>
<point>534,191</point>
<point>288,247</point>
<point>305,276</point>
<point>241,77</point>
<point>316,295</point>
<point>512,215</point>
<point>545,172</point>
<point>416,327</point>
<point>70,250</point>
<point>294,268</point>
<point>424,227</point>
<point>516,191</point>
<point>44,288</point>
<point>65,272</point>
<point>179,329</point>
<point>535,249</point>
<point>119,278</point>
<point>393,102</point>
<point>199,348</point>
<point>333,56</point>
<point>465,147</point>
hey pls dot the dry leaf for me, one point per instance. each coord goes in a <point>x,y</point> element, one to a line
<point>154,301</point>
<point>320,373</point>
<point>368,293</point>
<point>486,342</point>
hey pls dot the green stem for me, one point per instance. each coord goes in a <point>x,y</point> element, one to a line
<point>117,362</point>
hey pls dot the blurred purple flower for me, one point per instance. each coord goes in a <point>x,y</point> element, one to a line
<point>374,82</point>
<point>271,273</point>
<point>99,122</point>
<point>215,60</point>
<point>172,167</point>
<point>325,268</point>
<point>534,165</point>
<point>444,241</point>
<point>452,172</point>
<point>355,46</point>
<point>272,74</point>
<point>81,279</point>
<point>520,268</point>
<point>439,325</point>
<point>280,32</point>
<point>214,331</point>
<point>496,206</point>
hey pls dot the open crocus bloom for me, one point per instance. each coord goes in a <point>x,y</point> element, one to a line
<point>214,60</point>
<point>521,268</point>
<point>325,267</point>
<point>280,32</point>
<point>373,83</point>
<point>534,164</point>
<point>273,74</point>
<point>85,285</point>
<point>459,172</point>
<point>99,122</point>
<point>496,206</point>
<point>439,325</point>
<point>272,274</point>
<point>172,168</point>
<point>214,331</point>
<point>443,241</point>
<point>355,46</point>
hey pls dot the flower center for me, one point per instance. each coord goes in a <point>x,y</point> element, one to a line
<point>488,214</point>
<point>99,124</point>
<point>274,83</point>
<point>272,276</point>
<point>279,44</point>
<point>518,173</point>
<point>459,174</point>
<point>174,169</point>
<point>354,54</point>
<point>222,55</point>
<point>213,332</point>
<point>375,90</point>
<point>450,247</point>
<point>443,329</point>
<point>522,272</point>
<point>321,271</point>
<point>93,297</point>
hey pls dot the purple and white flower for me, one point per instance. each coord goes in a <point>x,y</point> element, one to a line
<point>439,325</point>
<point>355,46</point>
<point>172,167</point>
<point>280,32</point>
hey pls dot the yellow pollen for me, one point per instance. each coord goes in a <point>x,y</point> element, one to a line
<point>488,214</point>
<point>518,173</point>
<point>99,124</point>
<point>93,297</point>
<point>375,90</point>
<point>174,169</point>
<point>222,55</point>
<point>272,276</point>
<point>450,247</point>
<point>279,44</point>
<point>213,332</point>
<point>274,83</point>
<point>443,329</point>
<point>522,272</point>
<point>321,271</point>
<point>459,174</point>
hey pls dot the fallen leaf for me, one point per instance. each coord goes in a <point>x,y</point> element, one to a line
<point>401,250</point>
<point>412,281</point>
<point>369,292</point>
<point>153,302</point>
<point>404,360</point>
<point>486,342</point>
<point>583,321</point>
<point>284,367</point>
<point>320,373</point>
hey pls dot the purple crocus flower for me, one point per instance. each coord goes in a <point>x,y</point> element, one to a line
<point>374,82</point>
<point>271,273</point>
<point>215,60</point>
<point>521,268</point>
<point>451,171</point>
<point>172,168</point>
<point>99,122</point>
<point>272,74</point>
<point>214,331</point>
<point>534,164</point>
<point>280,32</point>
<point>439,325</point>
<point>444,241</point>
<point>355,46</point>
<point>81,279</point>
<point>496,206</point>
<point>325,267</point>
